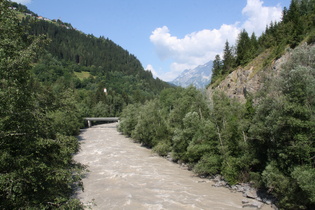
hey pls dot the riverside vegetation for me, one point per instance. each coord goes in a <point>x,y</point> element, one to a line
<point>268,140</point>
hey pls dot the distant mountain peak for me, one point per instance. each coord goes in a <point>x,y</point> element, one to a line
<point>199,77</point>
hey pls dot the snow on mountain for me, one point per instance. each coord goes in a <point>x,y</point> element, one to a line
<point>199,77</point>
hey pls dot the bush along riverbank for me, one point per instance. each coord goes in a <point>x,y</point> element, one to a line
<point>253,197</point>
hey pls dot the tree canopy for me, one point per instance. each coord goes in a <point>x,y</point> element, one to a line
<point>36,166</point>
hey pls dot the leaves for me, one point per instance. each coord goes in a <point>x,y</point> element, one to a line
<point>305,177</point>
<point>36,166</point>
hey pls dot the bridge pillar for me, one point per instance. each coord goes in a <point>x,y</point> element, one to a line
<point>89,123</point>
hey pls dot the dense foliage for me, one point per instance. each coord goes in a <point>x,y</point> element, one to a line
<point>36,166</point>
<point>270,143</point>
<point>284,126</point>
<point>297,24</point>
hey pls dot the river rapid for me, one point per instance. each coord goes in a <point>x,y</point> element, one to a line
<point>124,175</point>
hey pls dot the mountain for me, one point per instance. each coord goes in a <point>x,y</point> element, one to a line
<point>101,57</point>
<point>85,64</point>
<point>199,77</point>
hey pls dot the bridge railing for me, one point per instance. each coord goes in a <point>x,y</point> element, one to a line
<point>102,119</point>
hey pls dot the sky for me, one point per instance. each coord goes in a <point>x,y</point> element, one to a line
<point>167,36</point>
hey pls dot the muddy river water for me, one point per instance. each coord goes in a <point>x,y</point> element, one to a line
<point>124,175</point>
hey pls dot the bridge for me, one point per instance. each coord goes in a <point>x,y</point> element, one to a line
<point>102,119</point>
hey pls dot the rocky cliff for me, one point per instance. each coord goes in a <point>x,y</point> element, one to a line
<point>249,79</point>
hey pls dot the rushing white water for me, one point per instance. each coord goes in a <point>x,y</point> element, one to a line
<point>124,175</point>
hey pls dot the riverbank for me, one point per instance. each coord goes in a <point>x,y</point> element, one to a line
<point>252,197</point>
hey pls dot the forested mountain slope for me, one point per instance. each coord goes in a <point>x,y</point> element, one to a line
<point>88,64</point>
<point>86,50</point>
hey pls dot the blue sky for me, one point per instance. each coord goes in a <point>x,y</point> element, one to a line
<point>167,36</point>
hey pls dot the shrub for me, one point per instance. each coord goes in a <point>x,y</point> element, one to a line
<point>208,165</point>
<point>162,148</point>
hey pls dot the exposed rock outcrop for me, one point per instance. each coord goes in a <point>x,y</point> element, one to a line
<point>249,79</point>
<point>253,198</point>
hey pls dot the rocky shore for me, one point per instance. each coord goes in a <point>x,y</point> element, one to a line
<point>253,198</point>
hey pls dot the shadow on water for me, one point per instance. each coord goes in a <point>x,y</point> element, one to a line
<point>80,138</point>
<point>264,195</point>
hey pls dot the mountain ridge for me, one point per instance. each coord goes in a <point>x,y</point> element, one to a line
<point>199,77</point>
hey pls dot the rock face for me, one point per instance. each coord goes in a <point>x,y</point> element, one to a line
<point>249,79</point>
<point>239,82</point>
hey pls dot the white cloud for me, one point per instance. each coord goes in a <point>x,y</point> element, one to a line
<point>192,50</point>
<point>259,16</point>
<point>194,47</point>
<point>199,47</point>
<point>23,1</point>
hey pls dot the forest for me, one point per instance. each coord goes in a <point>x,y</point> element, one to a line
<point>52,75</point>
<point>88,64</point>
<point>267,141</point>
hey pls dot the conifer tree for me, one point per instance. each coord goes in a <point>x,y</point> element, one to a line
<point>228,59</point>
<point>254,45</point>
<point>243,48</point>
<point>216,68</point>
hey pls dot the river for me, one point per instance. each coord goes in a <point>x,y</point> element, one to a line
<point>124,175</point>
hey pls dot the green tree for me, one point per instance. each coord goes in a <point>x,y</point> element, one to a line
<point>129,119</point>
<point>228,116</point>
<point>203,151</point>
<point>151,127</point>
<point>216,69</point>
<point>36,166</point>
<point>228,59</point>
<point>65,118</point>
<point>183,136</point>
<point>283,130</point>
<point>243,48</point>
<point>254,46</point>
